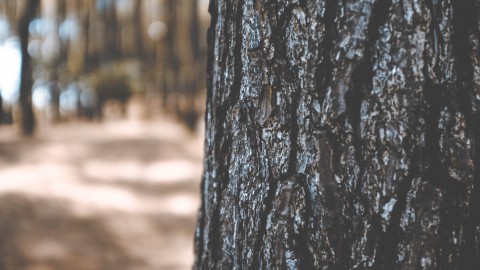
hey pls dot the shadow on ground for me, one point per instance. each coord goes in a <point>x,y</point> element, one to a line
<point>42,234</point>
<point>92,196</point>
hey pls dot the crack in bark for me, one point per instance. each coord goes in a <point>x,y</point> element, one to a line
<point>464,23</point>
<point>362,77</point>
<point>303,251</point>
<point>292,159</point>
<point>388,243</point>
<point>472,220</point>
<point>325,68</point>
<point>262,227</point>
<point>237,54</point>
<point>450,223</point>
<point>436,173</point>
<point>222,179</point>
<point>279,32</point>
<point>475,203</point>
<point>440,96</point>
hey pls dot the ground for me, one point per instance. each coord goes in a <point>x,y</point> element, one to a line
<point>121,194</point>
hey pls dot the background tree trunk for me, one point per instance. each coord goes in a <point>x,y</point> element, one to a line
<point>182,60</point>
<point>341,135</point>
<point>26,81</point>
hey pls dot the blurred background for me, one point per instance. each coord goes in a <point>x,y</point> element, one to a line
<point>101,133</point>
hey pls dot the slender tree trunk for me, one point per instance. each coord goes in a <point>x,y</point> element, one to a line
<point>170,56</point>
<point>182,61</point>
<point>1,108</point>
<point>26,81</point>
<point>57,14</point>
<point>138,30</point>
<point>341,135</point>
<point>85,15</point>
<point>112,29</point>
<point>10,10</point>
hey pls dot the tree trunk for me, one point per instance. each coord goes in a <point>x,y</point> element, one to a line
<point>26,81</point>
<point>182,60</point>
<point>138,30</point>
<point>171,61</point>
<point>1,108</point>
<point>341,135</point>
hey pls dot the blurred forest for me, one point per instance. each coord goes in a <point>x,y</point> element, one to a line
<point>73,59</point>
<point>101,144</point>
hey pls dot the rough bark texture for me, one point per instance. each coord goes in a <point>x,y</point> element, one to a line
<point>342,135</point>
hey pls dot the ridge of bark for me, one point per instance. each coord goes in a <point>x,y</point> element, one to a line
<point>210,38</point>
<point>303,250</point>
<point>257,249</point>
<point>223,179</point>
<point>222,147</point>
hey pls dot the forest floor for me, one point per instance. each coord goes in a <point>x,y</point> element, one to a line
<point>116,195</point>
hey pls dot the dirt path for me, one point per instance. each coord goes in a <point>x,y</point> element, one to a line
<point>90,196</point>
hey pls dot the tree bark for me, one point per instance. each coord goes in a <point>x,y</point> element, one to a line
<point>26,81</point>
<point>341,135</point>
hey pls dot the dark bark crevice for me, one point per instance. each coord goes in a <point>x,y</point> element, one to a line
<point>362,80</point>
<point>436,172</point>
<point>267,207</point>
<point>363,75</point>
<point>324,70</point>
<point>303,250</point>
<point>435,11</point>
<point>472,247</point>
<point>279,33</point>
<point>380,15</point>
<point>214,233</point>
<point>464,23</point>
<point>387,252</point>
<point>262,227</point>
<point>437,98</point>
<point>237,52</point>
<point>444,97</point>
<point>450,233</point>
<point>292,159</point>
